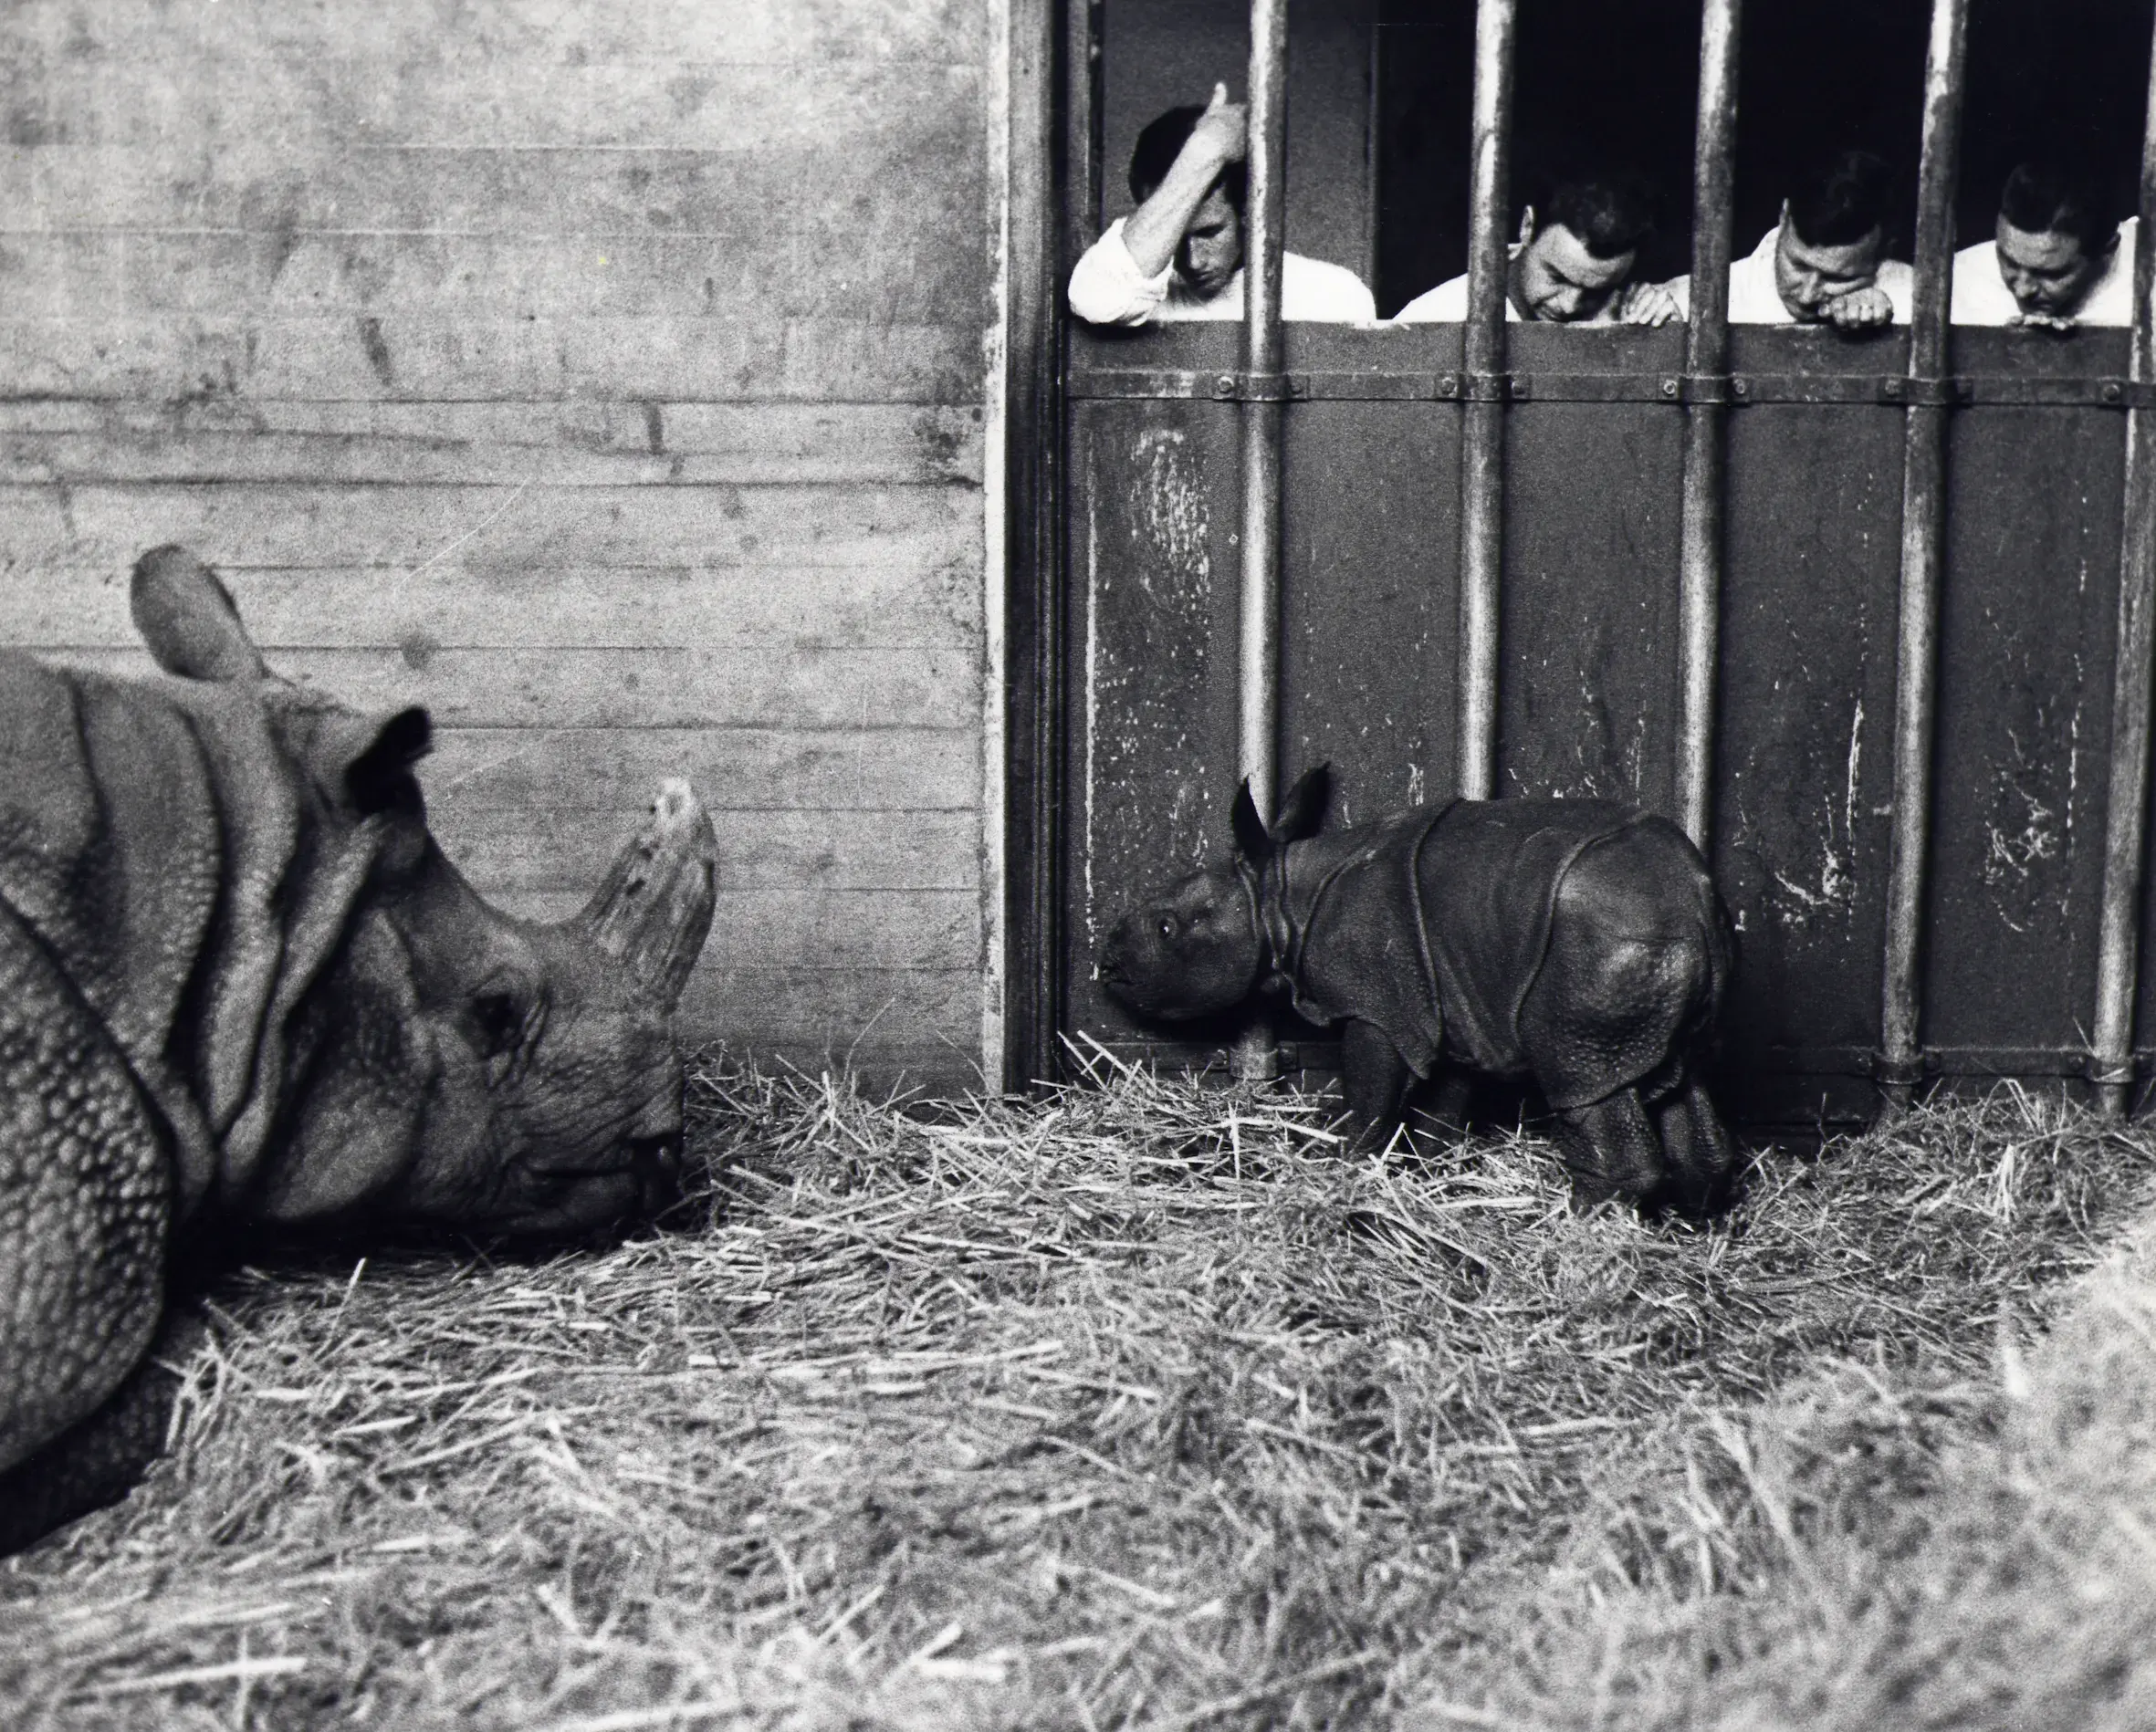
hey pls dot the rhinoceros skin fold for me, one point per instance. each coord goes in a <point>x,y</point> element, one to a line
<point>242,988</point>
<point>1578,946</point>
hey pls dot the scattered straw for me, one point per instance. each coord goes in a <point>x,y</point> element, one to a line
<point>1138,1404</point>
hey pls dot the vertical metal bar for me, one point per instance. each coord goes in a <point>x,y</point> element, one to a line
<point>1256,1054</point>
<point>1372,151</point>
<point>1923,529</point>
<point>1707,364</point>
<point>1482,449</point>
<point>2126,818</point>
<point>1032,454</point>
<point>1084,26</point>
<point>1041,692</point>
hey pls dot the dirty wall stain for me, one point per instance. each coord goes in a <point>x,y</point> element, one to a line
<point>1148,622</point>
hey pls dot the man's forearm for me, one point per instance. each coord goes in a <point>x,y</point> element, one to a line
<point>1106,288</point>
<point>1155,229</point>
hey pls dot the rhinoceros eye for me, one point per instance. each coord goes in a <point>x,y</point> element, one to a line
<point>500,1018</point>
<point>1168,926</point>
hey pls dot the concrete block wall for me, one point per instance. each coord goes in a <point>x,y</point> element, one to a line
<point>613,378</point>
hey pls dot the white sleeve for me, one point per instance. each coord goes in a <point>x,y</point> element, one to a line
<point>1979,295</point>
<point>1108,289</point>
<point>1900,286</point>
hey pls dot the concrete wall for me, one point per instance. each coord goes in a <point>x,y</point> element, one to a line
<point>613,378</point>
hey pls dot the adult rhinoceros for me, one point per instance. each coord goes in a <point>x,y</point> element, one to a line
<point>241,987</point>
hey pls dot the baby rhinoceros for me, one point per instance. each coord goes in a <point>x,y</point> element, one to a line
<point>1578,944</point>
<point>241,988</point>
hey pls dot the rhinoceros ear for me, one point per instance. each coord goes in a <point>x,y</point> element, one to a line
<point>1253,841</point>
<point>188,619</point>
<point>1305,808</point>
<point>378,776</point>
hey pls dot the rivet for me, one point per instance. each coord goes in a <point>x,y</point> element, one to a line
<point>2112,392</point>
<point>1669,388</point>
<point>1743,387</point>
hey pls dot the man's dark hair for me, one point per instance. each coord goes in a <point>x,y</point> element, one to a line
<point>2060,198</point>
<point>1842,203</point>
<point>1611,214</point>
<point>1158,146</point>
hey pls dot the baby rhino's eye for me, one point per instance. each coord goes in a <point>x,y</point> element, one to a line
<point>1167,926</point>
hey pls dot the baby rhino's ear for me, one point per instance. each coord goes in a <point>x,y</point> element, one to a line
<point>1253,841</point>
<point>188,619</point>
<point>1304,810</point>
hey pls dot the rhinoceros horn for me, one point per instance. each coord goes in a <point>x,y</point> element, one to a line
<point>654,907</point>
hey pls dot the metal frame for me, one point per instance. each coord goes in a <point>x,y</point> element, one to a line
<point>1742,390</point>
<point>1706,390</point>
<point>1703,390</point>
<point>1484,386</point>
<point>1923,537</point>
<point>1255,1056</point>
<point>2127,815</point>
<point>1054,205</point>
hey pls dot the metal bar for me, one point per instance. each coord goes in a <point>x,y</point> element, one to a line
<point>1075,110</point>
<point>2126,819</point>
<point>1673,390</point>
<point>1084,25</point>
<point>1481,446</point>
<point>1256,1055</point>
<point>1853,1062</point>
<point>1033,453</point>
<point>1706,358</point>
<point>1923,534</point>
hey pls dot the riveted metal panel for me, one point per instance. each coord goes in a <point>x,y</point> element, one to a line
<point>1589,675</point>
<point>1152,574</point>
<point>1803,777</point>
<point>2029,611</point>
<point>1588,642</point>
<point>1371,579</point>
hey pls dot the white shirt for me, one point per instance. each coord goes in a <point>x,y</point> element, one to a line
<point>1446,304</point>
<point>1755,300</point>
<point>1981,296</point>
<point>1108,289</point>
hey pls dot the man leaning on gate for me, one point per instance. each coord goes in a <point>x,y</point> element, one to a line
<point>2059,257</point>
<point>1572,263</point>
<point>1181,254</point>
<point>1825,263</point>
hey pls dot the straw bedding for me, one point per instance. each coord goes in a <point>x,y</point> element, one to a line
<point>1143,1405</point>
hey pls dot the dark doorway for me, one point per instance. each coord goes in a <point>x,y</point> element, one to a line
<point>1614,88</point>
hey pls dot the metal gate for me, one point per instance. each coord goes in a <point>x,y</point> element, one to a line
<point>1870,617</point>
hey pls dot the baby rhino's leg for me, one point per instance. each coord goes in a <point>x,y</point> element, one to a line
<point>1624,979</point>
<point>1375,1078</point>
<point>84,1211</point>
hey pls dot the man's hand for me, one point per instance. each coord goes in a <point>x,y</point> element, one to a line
<point>1223,130</point>
<point>1646,304</point>
<point>2062,324</point>
<point>1860,309</point>
<point>1155,229</point>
